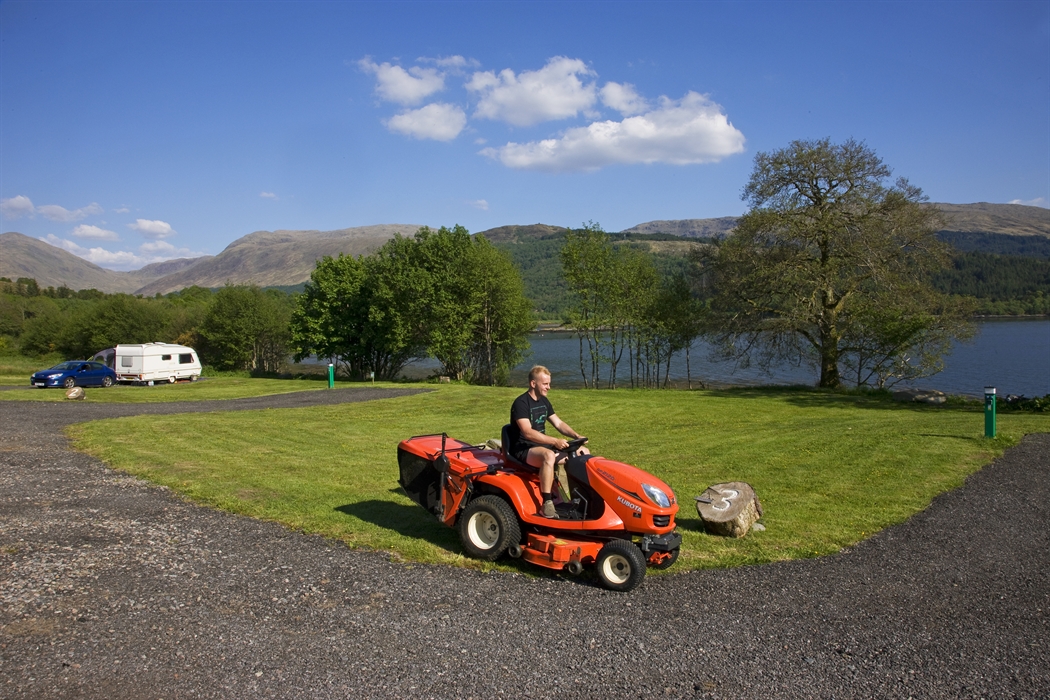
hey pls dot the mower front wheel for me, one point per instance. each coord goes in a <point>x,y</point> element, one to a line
<point>621,566</point>
<point>487,527</point>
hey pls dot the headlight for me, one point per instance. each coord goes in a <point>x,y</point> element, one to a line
<point>656,495</point>
<point>54,376</point>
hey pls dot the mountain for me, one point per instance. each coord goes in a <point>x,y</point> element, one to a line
<point>276,258</point>
<point>515,234</point>
<point>688,228</point>
<point>979,218</point>
<point>24,256</point>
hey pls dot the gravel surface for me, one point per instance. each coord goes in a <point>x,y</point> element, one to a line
<point>113,588</point>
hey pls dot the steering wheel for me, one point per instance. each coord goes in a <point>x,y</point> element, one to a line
<point>574,445</point>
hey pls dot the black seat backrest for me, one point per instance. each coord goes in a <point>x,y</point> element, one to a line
<point>505,449</point>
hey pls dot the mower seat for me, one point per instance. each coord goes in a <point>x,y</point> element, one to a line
<point>505,449</point>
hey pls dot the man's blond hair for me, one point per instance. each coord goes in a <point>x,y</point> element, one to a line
<point>537,370</point>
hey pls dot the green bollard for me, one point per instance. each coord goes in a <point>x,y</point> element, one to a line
<point>331,375</point>
<point>989,411</point>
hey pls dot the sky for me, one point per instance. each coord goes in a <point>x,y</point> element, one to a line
<point>135,132</point>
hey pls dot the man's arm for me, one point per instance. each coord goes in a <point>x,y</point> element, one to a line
<point>527,433</point>
<point>563,427</point>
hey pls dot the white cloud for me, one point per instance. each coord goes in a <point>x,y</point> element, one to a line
<point>1037,202</point>
<point>268,195</point>
<point>100,256</point>
<point>679,132</point>
<point>152,229</point>
<point>149,252</point>
<point>95,233</point>
<point>57,213</point>
<point>437,121</point>
<point>17,207</point>
<point>407,87</point>
<point>122,210</point>
<point>453,63</point>
<point>480,204</point>
<point>552,92</point>
<point>623,98</point>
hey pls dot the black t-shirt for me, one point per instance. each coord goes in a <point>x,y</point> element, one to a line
<point>536,410</point>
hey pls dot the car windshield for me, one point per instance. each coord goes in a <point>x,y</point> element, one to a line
<point>68,365</point>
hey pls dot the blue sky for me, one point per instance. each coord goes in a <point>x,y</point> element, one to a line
<point>132,132</point>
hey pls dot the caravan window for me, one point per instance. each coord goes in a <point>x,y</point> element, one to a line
<point>186,359</point>
<point>125,360</point>
<point>166,358</point>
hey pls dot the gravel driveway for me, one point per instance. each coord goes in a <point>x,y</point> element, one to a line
<point>113,588</point>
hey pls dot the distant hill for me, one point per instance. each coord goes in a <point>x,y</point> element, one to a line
<point>24,256</point>
<point>515,234</point>
<point>1008,219</point>
<point>277,258</point>
<point>688,228</point>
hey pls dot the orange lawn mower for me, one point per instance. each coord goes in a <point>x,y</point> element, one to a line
<point>611,515</point>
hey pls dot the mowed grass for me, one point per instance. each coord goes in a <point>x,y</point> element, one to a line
<point>206,389</point>
<point>830,469</point>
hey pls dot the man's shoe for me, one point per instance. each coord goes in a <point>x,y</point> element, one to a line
<point>548,510</point>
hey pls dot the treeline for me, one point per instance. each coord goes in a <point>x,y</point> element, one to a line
<point>235,328</point>
<point>1001,284</point>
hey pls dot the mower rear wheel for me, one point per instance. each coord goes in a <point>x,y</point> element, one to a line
<point>487,527</point>
<point>621,566</point>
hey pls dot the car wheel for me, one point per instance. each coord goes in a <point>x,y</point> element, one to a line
<point>69,383</point>
<point>621,566</point>
<point>107,381</point>
<point>487,527</point>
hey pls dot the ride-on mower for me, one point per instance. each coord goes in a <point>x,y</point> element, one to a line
<point>611,515</point>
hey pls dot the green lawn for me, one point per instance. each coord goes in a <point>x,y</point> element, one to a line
<point>830,469</point>
<point>208,388</point>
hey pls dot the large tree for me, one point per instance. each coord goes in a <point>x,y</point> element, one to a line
<point>831,264</point>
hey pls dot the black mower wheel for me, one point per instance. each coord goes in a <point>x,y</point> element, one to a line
<point>621,566</point>
<point>487,526</point>
<point>668,563</point>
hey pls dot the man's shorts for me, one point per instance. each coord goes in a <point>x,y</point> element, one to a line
<point>522,455</point>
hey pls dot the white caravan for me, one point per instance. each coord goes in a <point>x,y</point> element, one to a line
<point>152,362</point>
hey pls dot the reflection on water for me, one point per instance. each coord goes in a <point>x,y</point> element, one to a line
<point>1012,355</point>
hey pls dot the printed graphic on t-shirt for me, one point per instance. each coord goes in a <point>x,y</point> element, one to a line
<point>539,418</point>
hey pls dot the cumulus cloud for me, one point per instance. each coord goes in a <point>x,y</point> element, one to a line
<point>268,195</point>
<point>555,91</point>
<point>152,229</point>
<point>623,98</point>
<point>57,213</point>
<point>1037,202</point>
<point>17,207</point>
<point>95,233</point>
<point>149,252</point>
<point>480,204</point>
<point>437,121</point>
<point>122,210</point>
<point>452,63</point>
<point>680,132</point>
<point>407,87</point>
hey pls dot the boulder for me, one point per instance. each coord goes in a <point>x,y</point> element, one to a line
<point>728,509</point>
<point>920,396</point>
<point>75,393</point>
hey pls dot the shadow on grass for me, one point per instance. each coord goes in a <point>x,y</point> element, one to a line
<point>407,520</point>
<point>810,397</point>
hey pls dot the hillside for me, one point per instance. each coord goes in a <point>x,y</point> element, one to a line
<point>24,256</point>
<point>688,228</point>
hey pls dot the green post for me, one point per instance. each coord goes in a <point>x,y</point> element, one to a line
<point>331,375</point>
<point>989,411</point>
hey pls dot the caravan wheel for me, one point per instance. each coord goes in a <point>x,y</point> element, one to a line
<point>171,380</point>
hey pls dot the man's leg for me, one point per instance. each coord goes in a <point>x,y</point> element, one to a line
<point>544,459</point>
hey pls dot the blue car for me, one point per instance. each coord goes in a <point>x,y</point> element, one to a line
<point>76,373</point>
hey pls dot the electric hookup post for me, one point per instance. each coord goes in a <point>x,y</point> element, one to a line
<point>331,375</point>
<point>989,411</point>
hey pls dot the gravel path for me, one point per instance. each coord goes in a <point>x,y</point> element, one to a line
<point>112,588</point>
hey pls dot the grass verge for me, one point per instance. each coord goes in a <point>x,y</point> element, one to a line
<point>208,389</point>
<point>831,469</point>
